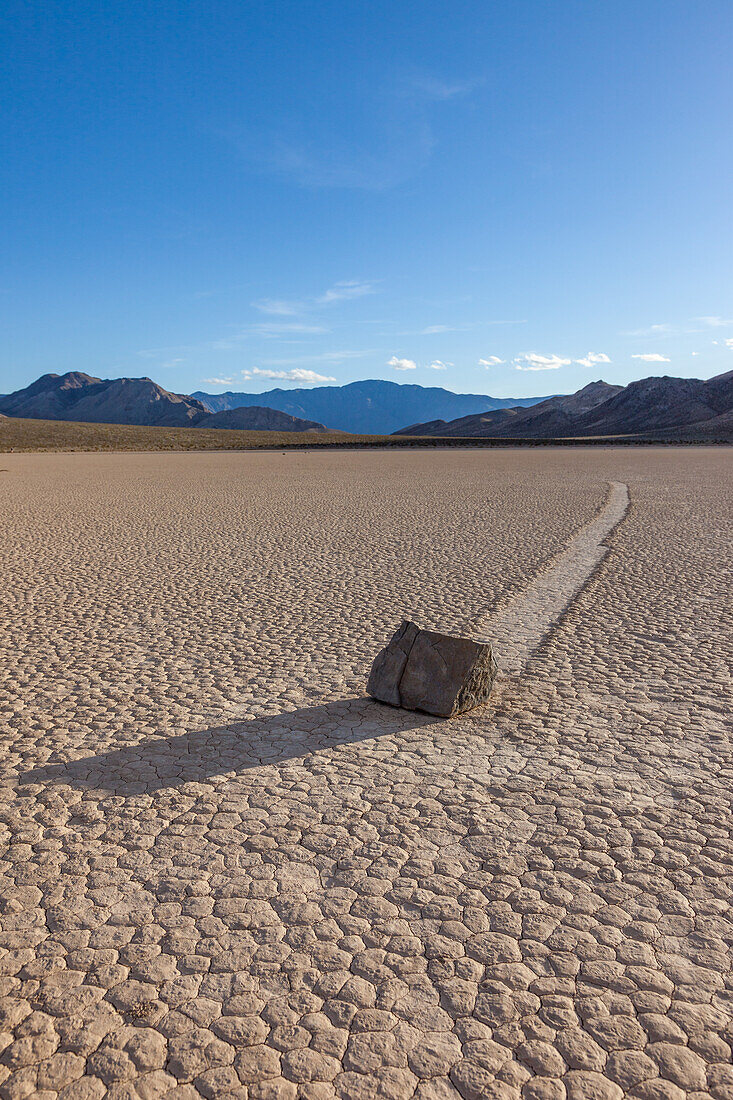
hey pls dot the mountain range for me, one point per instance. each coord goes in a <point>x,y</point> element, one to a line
<point>659,408</point>
<point>81,397</point>
<point>373,407</point>
<point>650,408</point>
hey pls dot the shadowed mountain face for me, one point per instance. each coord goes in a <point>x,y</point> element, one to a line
<point>77,396</point>
<point>550,417</point>
<point>372,407</point>
<point>658,407</point>
<point>256,419</point>
<point>654,404</point>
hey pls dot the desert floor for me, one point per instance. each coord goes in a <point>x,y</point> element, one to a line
<point>226,873</point>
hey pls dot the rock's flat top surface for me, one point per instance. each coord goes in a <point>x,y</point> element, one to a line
<point>229,874</point>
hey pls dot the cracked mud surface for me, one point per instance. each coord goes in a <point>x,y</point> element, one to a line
<point>518,630</point>
<point>226,873</point>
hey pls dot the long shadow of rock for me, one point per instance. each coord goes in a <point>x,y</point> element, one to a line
<point>154,763</point>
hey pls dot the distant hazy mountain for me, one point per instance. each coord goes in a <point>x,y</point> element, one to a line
<point>77,396</point>
<point>254,418</point>
<point>373,407</point>
<point>652,407</point>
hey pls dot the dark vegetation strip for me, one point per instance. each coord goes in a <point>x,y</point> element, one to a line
<point>22,435</point>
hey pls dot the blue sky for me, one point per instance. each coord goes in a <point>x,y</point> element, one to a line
<point>511,198</point>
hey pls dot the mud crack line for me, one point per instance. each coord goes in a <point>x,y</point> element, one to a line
<point>517,631</point>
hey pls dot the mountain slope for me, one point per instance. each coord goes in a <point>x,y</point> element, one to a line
<point>48,397</point>
<point>254,418</point>
<point>373,407</point>
<point>650,408</point>
<point>546,418</point>
<point>654,404</point>
<point>81,397</point>
<point>719,392</point>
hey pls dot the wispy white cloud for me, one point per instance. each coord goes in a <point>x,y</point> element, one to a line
<point>295,375</point>
<point>438,364</point>
<point>689,327</point>
<point>653,330</point>
<point>652,357</point>
<point>279,307</point>
<point>285,329</point>
<point>288,331</point>
<point>218,381</point>
<point>490,361</point>
<point>714,322</point>
<point>532,361</point>
<point>729,343</point>
<point>431,330</point>
<point>324,357</point>
<point>397,145</point>
<point>402,364</point>
<point>593,358</point>
<point>439,90</point>
<point>343,291</point>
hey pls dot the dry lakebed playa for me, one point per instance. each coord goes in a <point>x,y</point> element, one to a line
<point>226,872</point>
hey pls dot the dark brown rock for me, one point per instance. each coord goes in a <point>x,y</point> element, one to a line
<point>432,672</point>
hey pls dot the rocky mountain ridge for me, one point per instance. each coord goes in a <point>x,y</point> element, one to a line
<point>655,407</point>
<point>255,418</point>
<point>82,397</point>
<point>651,407</point>
<point>375,407</point>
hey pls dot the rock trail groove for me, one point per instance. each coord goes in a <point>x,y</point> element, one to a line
<point>519,629</point>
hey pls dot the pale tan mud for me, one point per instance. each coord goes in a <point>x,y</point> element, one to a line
<point>517,631</point>
<point>228,874</point>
